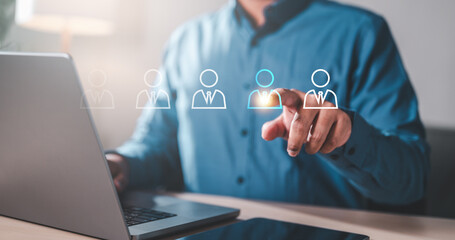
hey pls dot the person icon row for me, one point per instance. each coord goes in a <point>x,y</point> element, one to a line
<point>97,97</point>
<point>156,98</point>
<point>260,98</point>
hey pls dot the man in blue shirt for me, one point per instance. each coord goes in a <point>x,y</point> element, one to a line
<point>372,147</point>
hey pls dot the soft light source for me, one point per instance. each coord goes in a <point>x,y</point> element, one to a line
<point>69,18</point>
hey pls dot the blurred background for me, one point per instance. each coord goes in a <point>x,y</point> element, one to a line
<point>126,38</point>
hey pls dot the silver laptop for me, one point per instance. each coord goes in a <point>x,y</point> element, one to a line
<point>52,166</point>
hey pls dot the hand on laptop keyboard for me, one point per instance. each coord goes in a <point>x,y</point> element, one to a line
<point>137,215</point>
<point>119,169</point>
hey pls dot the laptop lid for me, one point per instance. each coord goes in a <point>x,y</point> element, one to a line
<point>52,167</point>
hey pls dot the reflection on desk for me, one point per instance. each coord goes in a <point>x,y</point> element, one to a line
<point>261,228</point>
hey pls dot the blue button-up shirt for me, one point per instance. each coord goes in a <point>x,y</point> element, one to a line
<point>220,151</point>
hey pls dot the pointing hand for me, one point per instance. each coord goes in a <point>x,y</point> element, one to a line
<point>320,130</point>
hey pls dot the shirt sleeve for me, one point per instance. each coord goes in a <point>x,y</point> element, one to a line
<point>386,157</point>
<point>152,151</point>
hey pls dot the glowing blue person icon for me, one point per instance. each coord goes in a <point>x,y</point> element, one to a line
<point>208,99</point>
<point>260,98</point>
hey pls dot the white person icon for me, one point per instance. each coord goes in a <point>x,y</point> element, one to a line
<point>155,96</point>
<point>97,97</point>
<point>208,99</point>
<point>320,95</point>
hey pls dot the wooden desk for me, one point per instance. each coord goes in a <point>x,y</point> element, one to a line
<point>378,226</point>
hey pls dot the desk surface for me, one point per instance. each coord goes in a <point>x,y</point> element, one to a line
<point>377,225</point>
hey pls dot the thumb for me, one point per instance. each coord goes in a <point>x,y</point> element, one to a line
<point>274,129</point>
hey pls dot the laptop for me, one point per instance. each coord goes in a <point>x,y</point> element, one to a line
<point>52,166</point>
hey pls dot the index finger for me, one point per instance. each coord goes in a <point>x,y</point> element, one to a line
<point>289,98</point>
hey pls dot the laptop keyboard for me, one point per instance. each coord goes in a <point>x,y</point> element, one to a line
<point>135,215</point>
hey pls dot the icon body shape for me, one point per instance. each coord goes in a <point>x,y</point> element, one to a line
<point>208,99</point>
<point>320,96</point>
<point>259,99</point>
<point>157,97</point>
<point>97,98</point>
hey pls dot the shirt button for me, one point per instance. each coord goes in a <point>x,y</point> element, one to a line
<point>254,42</point>
<point>240,180</point>
<point>351,151</point>
<point>244,132</point>
<point>334,156</point>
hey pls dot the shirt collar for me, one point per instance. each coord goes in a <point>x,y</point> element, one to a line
<point>276,15</point>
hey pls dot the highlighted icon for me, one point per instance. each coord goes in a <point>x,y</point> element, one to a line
<point>208,99</point>
<point>260,98</point>
<point>320,96</point>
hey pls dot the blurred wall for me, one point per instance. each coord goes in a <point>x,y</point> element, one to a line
<point>423,29</point>
<point>425,33</point>
<point>6,20</point>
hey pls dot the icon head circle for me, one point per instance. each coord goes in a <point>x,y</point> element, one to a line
<point>265,85</point>
<point>97,78</point>
<point>206,85</point>
<point>153,83</point>
<point>326,73</point>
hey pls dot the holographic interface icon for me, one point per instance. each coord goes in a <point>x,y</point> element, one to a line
<point>96,96</point>
<point>320,96</point>
<point>208,99</point>
<point>155,97</point>
<point>260,98</point>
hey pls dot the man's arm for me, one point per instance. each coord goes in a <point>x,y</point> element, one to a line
<point>384,165</point>
<point>151,153</point>
<point>385,155</point>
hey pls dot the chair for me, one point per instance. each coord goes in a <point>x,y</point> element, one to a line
<point>440,197</point>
